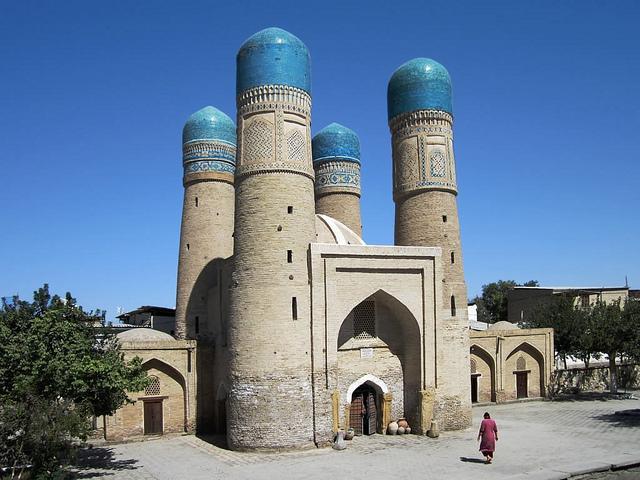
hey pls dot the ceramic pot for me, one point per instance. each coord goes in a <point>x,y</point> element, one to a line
<point>403,423</point>
<point>349,435</point>
<point>392,429</point>
<point>400,430</point>
<point>407,430</point>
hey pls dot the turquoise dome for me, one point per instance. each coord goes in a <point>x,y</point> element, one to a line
<point>419,84</point>
<point>273,57</point>
<point>209,123</point>
<point>335,142</point>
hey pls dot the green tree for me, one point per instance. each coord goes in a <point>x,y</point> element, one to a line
<point>58,367</point>
<point>492,305</point>
<point>615,332</point>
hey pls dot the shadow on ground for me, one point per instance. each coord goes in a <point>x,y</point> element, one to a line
<point>622,418</point>
<point>472,460</point>
<point>217,440</point>
<point>101,458</point>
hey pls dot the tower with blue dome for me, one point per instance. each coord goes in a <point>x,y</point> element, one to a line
<point>420,116</point>
<point>206,233</point>
<point>336,160</point>
<point>270,303</point>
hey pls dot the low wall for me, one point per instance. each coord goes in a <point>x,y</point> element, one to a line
<point>592,379</point>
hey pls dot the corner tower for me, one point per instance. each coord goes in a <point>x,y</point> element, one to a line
<point>269,321</point>
<point>336,160</point>
<point>424,191</point>
<point>208,152</point>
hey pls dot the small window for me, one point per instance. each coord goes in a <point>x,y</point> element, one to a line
<point>521,364</point>
<point>474,366</point>
<point>453,257</point>
<point>197,325</point>
<point>290,209</point>
<point>189,361</point>
<point>289,256</point>
<point>444,218</point>
<point>364,320</point>
<point>153,389</point>
<point>453,306</point>
<point>196,201</point>
<point>294,308</point>
<point>187,247</point>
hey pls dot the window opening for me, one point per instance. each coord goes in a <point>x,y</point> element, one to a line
<point>453,257</point>
<point>290,209</point>
<point>289,256</point>
<point>444,218</point>
<point>294,308</point>
<point>196,201</point>
<point>521,364</point>
<point>453,306</point>
<point>197,325</point>
<point>364,320</point>
<point>153,388</point>
<point>474,366</point>
<point>187,247</point>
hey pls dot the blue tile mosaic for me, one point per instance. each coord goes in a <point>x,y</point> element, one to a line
<point>209,123</point>
<point>419,84</point>
<point>208,166</point>
<point>273,57</point>
<point>335,142</point>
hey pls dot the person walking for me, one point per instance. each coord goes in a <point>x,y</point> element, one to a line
<point>489,435</point>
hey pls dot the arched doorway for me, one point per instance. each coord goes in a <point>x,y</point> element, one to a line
<point>527,364</point>
<point>363,413</point>
<point>482,370</point>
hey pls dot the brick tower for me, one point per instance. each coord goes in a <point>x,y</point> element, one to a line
<point>424,191</point>
<point>270,396</point>
<point>336,160</point>
<point>209,151</point>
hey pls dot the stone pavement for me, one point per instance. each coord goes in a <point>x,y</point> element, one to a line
<point>538,440</point>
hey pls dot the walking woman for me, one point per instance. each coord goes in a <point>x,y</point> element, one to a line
<point>489,435</point>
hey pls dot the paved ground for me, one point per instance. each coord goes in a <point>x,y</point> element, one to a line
<point>538,440</point>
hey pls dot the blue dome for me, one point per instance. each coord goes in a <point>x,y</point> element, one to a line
<point>419,84</point>
<point>273,57</point>
<point>335,142</point>
<point>209,123</point>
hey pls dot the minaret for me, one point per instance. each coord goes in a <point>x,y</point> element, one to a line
<point>424,191</point>
<point>209,151</point>
<point>336,160</point>
<point>270,396</point>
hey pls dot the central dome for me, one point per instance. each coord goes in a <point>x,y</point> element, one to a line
<point>419,84</point>
<point>273,57</point>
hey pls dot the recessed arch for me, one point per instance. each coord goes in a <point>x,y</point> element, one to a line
<point>537,356</point>
<point>372,380</point>
<point>486,357</point>
<point>174,374</point>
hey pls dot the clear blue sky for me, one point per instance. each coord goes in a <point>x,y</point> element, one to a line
<point>94,95</point>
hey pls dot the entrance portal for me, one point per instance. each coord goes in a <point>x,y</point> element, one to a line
<point>153,417</point>
<point>474,387</point>
<point>363,413</point>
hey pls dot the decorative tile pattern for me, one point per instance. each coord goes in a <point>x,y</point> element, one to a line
<point>406,162</point>
<point>209,156</point>
<point>258,142</point>
<point>338,174</point>
<point>296,146</point>
<point>208,166</point>
<point>438,164</point>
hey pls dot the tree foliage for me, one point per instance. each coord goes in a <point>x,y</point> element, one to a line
<point>492,305</point>
<point>58,367</point>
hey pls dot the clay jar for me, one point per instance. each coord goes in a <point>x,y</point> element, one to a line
<point>392,429</point>
<point>400,430</point>
<point>403,423</point>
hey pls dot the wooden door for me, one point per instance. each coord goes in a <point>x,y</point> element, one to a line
<point>372,414</point>
<point>521,385</point>
<point>356,414</point>
<point>153,418</point>
<point>474,389</point>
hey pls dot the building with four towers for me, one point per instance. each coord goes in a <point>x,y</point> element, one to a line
<point>288,326</point>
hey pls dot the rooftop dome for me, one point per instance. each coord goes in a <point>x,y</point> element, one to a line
<point>502,325</point>
<point>330,230</point>
<point>144,335</point>
<point>273,57</point>
<point>419,84</point>
<point>335,142</point>
<point>209,123</point>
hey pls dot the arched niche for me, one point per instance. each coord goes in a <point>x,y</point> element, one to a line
<point>535,367</point>
<point>392,353</point>
<point>486,367</point>
<point>175,395</point>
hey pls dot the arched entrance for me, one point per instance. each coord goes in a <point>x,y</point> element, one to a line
<point>482,369</point>
<point>363,413</point>
<point>527,364</point>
